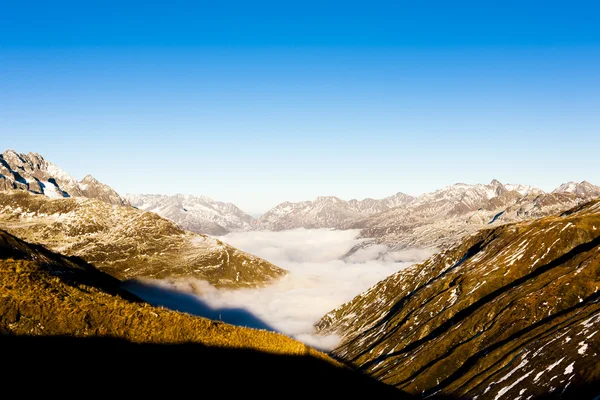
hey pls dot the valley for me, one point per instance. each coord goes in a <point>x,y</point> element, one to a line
<point>471,291</point>
<point>314,199</point>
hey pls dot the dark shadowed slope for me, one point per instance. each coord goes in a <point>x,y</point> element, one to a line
<point>511,312</point>
<point>68,328</point>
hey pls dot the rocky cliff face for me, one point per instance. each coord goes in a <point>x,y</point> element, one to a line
<point>129,243</point>
<point>512,311</point>
<point>33,173</point>
<point>325,212</point>
<point>195,213</point>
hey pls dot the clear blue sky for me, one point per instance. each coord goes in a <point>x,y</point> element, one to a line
<point>261,102</point>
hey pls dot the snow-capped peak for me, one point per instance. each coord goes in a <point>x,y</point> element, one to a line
<point>199,214</point>
<point>523,190</point>
<point>89,179</point>
<point>583,188</point>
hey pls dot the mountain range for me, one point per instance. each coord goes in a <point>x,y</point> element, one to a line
<point>432,221</point>
<point>195,213</point>
<point>435,220</point>
<point>456,201</point>
<point>509,307</point>
<point>325,212</point>
<point>441,218</point>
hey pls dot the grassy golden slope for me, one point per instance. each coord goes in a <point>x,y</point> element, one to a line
<point>63,316</point>
<point>45,293</point>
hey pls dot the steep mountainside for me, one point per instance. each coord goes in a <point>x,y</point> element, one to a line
<point>325,212</point>
<point>196,214</point>
<point>67,327</point>
<point>441,218</point>
<point>31,172</point>
<point>129,243</point>
<point>512,311</point>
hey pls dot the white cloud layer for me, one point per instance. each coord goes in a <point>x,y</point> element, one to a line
<point>319,280</point>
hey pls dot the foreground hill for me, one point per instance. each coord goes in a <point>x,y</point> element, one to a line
<point>67,327</point>
<point>198,214</point>
<point>33,173</point>
<point>512,311</point>
<point>325,212</point>
<point>129,243</point>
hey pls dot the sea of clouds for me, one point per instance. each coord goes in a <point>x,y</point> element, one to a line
<point>319,281</point>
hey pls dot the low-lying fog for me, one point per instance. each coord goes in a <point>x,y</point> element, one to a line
<point>318,282</point>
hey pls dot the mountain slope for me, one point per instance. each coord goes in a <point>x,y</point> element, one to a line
<point>129,243</point>
<point>31,172</point>
<point>513,311</point>
<point>325,212</point>
<point>196,214</point>
<point>67,327</point>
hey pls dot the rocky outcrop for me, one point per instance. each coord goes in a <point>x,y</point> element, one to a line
<point>33,173</point>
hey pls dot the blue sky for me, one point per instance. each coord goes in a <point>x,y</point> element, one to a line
<point>261,102</point>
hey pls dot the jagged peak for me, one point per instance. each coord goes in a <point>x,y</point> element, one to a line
<point>89,179</point>
<point>400,195</point>
<point>31,156</point>
<point>35,155</point>
<point>10,151</point>
<point>12,154</point>
<point>496,182</point>
<point>572,187</point>
<point>322,199</point>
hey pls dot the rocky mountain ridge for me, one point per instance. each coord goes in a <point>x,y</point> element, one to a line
<point>430,221</point>
<point>198,214</point>
<point>325,212</point>
<point>441,218</point>
<point>31,172</point>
